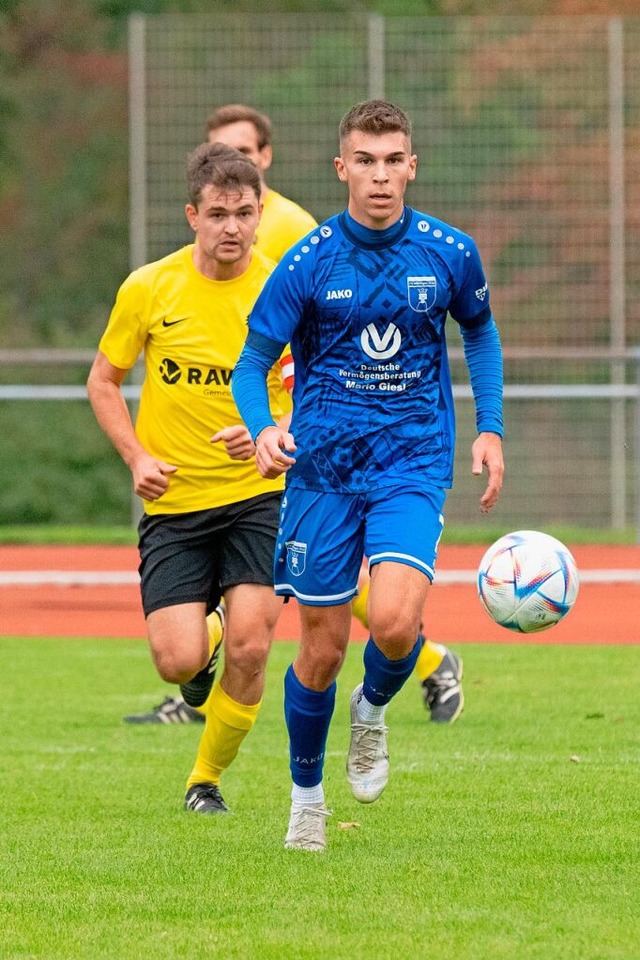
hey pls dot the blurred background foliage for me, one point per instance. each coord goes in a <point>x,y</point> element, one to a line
<point>63,147</point>
<point>64,208</point>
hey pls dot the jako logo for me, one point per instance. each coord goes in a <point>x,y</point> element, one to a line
<point>482,292</point>
<point>380,346</point>
<point>339,294</point>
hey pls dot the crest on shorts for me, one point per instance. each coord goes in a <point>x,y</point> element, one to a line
<point>421,292</point>
<point>296,557</point>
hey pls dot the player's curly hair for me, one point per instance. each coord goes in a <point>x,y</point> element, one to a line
<point>222,167</point>
<point>238,112</point>
<point>375,116</point>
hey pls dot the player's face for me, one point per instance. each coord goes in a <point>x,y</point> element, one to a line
<point>243,136</point>
<point>377,169</point>
<point>225,226</point>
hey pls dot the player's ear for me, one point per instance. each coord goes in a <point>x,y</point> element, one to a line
<point>191,214</point>
<point>338,163</point>
<point>413,163</point>
<point>266,157</point>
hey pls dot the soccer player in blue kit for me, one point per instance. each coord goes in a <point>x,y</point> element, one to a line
<point>363,301</point>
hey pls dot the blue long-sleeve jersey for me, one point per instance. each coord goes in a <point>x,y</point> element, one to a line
<point>365,311</point>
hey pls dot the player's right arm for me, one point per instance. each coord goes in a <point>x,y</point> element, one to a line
<point>150,475</point>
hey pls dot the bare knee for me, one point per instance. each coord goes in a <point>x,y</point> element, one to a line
<point>319,661</point>
<point>317,669</point>
<point>325,636</point>
<point>178,641</point>
<point>247,656</point>
<point>395,632</point>
<point>177,666</point>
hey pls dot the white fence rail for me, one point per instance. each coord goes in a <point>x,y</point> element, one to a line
<point>562,466</point>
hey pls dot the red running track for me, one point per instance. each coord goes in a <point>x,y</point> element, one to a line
<point>605,612</point>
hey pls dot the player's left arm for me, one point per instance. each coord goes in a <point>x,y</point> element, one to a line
<point>483,354</point>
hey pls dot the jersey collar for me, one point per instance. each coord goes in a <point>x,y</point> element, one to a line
<point>374,239</point>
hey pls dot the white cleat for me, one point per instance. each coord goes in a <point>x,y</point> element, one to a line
<point>367,760</point>
<point>307,827</point>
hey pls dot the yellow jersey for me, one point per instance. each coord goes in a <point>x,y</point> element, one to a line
<point>281,225</point>
<point>191,330</point>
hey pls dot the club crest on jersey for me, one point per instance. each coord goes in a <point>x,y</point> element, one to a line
<point>421,292</point>
<point>296,557</point>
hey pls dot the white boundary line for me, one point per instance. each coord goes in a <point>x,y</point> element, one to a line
<point>68,578</point>
<point>114,578</point>
<point>585,576</point>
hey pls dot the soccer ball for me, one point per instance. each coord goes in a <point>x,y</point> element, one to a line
<point>527,581</point>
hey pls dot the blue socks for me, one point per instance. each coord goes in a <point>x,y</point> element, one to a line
<point>383,678</point>
<point>308,716</point>
<point>308,712</point>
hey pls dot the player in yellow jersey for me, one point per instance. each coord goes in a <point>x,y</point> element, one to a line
<point>210,521</point>
<point>282,224</point>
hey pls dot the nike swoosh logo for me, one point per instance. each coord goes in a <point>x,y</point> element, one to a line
<point>172,323</point>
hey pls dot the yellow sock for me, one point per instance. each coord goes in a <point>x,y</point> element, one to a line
<point>228,723</point>
<point>215,631</point>
<point>359,606</point>
<point>429,659</point>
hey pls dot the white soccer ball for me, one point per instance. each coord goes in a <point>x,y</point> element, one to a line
<point>527,581</point>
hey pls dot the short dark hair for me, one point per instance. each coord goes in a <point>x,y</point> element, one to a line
<point>216,165</point>
<point>236,113</point>
<point>375,116</point>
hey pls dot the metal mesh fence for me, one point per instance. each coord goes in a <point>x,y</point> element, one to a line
<point>527,131</point>
<point>528,136</point>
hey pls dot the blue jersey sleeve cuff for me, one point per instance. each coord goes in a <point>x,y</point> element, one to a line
<point>483,353</point>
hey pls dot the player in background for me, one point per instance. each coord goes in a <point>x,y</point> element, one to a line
<point>363,303</point>
<point>210,520</point>
<point>282,224</point>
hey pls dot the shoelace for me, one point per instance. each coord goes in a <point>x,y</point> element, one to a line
<point>369,745</point>
<point>308,819</point>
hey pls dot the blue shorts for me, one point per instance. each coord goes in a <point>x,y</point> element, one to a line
<point>322,538</point>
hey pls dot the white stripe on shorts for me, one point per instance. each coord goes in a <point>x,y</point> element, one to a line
<point>403,558</point>
<point>327,599</point>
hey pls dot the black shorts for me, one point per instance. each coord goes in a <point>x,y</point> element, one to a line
<point>192,557</point>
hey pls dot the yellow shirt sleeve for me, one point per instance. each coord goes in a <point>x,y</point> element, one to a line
<point>282,224</point>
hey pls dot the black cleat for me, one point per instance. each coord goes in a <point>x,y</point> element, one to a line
<point>196,690</point>
<point>442,690</point>
<point>205,798</point>
<point>171,710</point>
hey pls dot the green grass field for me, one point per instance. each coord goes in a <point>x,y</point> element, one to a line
<point>73,534</point>
<point>511,834</point>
